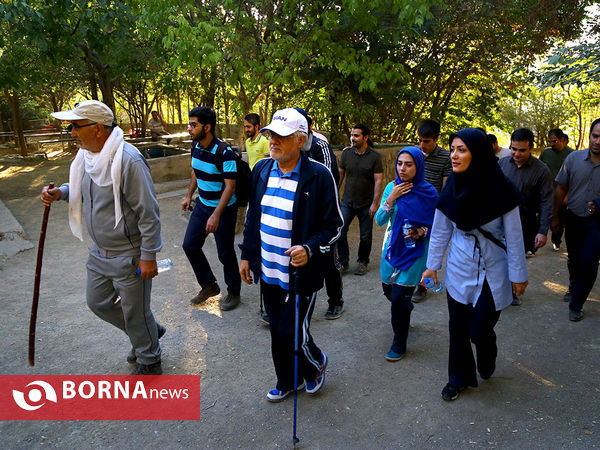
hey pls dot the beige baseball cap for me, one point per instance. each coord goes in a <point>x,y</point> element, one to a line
<point>92,110</point>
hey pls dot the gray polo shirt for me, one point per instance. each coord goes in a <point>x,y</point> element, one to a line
<point>359,175</point>
<point>582,177</point>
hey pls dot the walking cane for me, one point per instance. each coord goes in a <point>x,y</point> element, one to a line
<point>36,284</point>
<point>295,439</point>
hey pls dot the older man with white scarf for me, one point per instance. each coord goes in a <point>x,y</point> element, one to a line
<point>110,184</point>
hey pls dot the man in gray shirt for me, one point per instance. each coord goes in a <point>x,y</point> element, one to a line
<point>362,169</point>
<point>110,185</point>
<point>579,179</point>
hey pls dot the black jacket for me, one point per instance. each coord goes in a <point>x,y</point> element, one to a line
<point>316,223</point>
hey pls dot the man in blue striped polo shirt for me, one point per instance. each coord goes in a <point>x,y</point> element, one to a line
<point>293,218</point>
<point>214,175</point>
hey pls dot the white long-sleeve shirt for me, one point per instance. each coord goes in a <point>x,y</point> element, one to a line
<point>473,257</point>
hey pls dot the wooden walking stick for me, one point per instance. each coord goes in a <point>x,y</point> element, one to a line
<point>36,285</point>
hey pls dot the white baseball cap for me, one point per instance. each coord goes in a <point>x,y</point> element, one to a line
<point>92,110</point>
<point>287,121</point>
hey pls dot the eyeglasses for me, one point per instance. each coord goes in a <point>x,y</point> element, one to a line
<point>77,127</point>
<point>194,124</point>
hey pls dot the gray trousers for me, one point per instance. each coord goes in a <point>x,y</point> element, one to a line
<point>111,275</point>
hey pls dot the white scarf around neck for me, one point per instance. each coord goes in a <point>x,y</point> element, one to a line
<point>104,168</point>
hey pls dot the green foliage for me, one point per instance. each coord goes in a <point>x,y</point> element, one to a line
<point>578,65</point>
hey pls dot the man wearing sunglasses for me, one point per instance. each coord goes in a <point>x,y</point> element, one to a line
<point>110,185</point>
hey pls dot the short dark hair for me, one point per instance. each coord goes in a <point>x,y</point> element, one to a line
<point>492,139</point>
<point>363,128</point>
<point>523,134</point>
<point>152,112</point>
<point>557,133</point>
<point>253,118</point>
<point>429,128</point>
<point>206,116</point>
<point>594,123</point>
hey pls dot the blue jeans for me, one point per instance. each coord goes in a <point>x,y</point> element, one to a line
<point>196,234</point>
<point>365,222</point>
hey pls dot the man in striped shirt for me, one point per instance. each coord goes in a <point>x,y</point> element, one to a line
<point>214,175</point>
<point>292,220</point>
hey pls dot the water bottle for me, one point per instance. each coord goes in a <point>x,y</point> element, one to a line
<point>429,284</point>
<point>163,265</point>
<point>408,242</point>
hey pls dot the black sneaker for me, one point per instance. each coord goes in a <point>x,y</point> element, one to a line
<point>147,369</point>
<point>209,291</point>
<point>131,358</point>
<point>229,302</point>
<point>420,294</point>
<point>575,316</point>
<point>361,269</point>
<point>450,393</point>
<point>516,301</point>
<point>334,312</point>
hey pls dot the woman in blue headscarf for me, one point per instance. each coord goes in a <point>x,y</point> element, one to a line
<point>408,198</point>
<point>477,215</point>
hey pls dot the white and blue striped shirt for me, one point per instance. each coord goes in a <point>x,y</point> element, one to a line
<point>277,207</point>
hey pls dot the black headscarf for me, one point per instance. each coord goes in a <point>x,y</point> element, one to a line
<point>482,192</point>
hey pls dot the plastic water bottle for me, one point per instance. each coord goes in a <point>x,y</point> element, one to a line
<point>430,284</point>
<point>408,242</point>
<point>163,265</point>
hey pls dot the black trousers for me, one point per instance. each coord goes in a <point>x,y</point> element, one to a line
<point>474,324</point>
<point>333,279</point>
<point>401,308</point>
<point>281,309</point>
<point>557,237</point>
<point>583,245</point>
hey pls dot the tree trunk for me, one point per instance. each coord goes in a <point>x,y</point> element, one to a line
<point>179,106</point>
<point>13,99</point>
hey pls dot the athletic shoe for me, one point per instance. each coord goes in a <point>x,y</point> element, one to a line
<point>516,301</point>
<point>334,312</point>
<point>131,358</point>
<point>343,268</point>
<point>361,269</point>
<point>393,356</point>
<point>207,292</point>
<point>529,254</point>
<point>419,295</point>
<point>555,247</point>
<point>314,386</point>
<point>275,395</point>
<point>575,316</point>
<point>450,393</point>
<point>229,302</point>
<point>147,369</point>
<point>264,317</point>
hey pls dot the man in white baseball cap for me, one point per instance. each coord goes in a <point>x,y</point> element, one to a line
<point>110,184</point>
<point>92,110</point>
<point>291,222</point>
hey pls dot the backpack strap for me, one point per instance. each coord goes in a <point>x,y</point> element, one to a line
<point>492,238</point>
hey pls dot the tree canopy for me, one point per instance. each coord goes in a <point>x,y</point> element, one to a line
<point>389,63</point>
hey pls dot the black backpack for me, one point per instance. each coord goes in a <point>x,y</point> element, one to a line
<point>242,185</point>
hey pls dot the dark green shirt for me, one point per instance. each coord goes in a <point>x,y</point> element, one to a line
<point>360,175</point>
<point>554,160</point>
